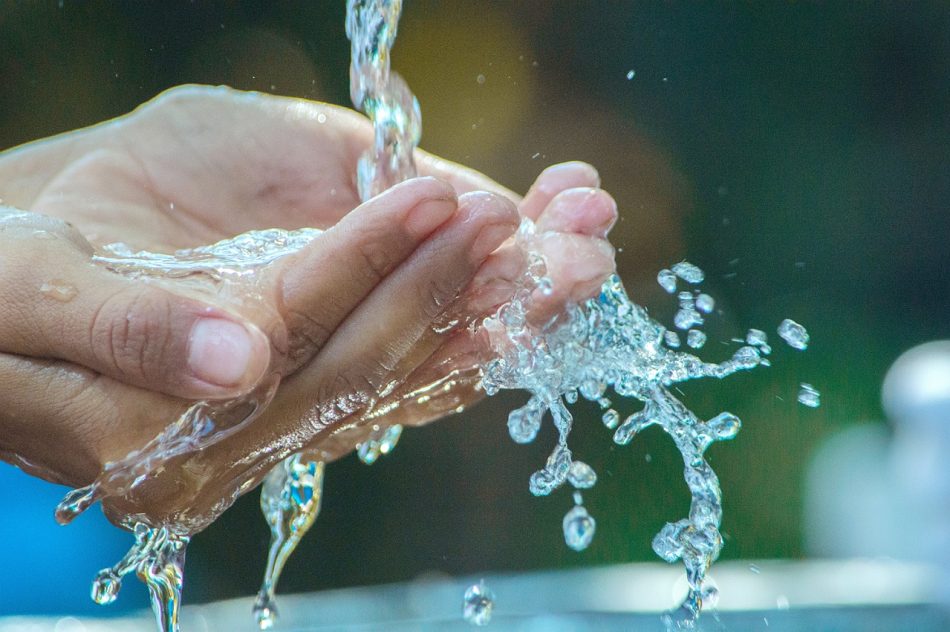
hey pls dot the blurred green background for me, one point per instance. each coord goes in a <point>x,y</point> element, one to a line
<point>799,152</point>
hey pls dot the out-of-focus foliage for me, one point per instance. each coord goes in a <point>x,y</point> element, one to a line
<point>798,152</point>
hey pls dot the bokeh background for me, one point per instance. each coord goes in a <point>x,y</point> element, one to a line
<point>799,152</point>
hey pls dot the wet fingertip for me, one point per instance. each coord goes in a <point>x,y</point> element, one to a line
<point>569,175</point>
<point>497,216</point>
<point>581,210</point>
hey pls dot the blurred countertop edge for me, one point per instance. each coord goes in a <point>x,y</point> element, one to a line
<point>637,588</point>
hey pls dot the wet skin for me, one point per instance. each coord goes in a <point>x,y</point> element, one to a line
<point>355,326</point>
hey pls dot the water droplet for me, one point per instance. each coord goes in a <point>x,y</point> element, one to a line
<point>611,418</point>
<point>724,426</point>
<point>809,396</point>
<point>524,423</point>
<point>688,272</point>
<point>667,280</point>
<point>581,475</point>
<point>579,527</point>
<point>477,604</point>
<point>794,334</point>
<point>695,338</point>
<point>480,79</point>
<point>755,569</point>
<point>105,587</point>
<point>631,74</point>
<point>686,318</point>
<point>672,339</point>
<point>265,612</point>
<point>705,303</point>
<point>59,290</point>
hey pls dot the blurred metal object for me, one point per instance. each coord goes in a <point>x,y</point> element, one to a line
<point>842,596</point>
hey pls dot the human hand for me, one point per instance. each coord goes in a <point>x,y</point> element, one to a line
<point>132,180</point>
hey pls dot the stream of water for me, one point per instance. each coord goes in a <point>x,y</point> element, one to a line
<point>602,349</point>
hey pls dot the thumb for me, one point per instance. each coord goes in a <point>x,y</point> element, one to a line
<point>55,304</point>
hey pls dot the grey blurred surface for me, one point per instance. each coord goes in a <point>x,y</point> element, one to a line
<point>853,595</point>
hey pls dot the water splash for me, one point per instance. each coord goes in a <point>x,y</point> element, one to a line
<point>227,268</point>
<point>611,342</point>
<point>290,501</point>
<point>290,497</point>
<point>158,558</point>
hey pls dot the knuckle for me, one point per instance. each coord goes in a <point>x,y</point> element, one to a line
<point>374,255</point>
<point>308,333</point>
<point>129,332</point>
<point>435,295</point>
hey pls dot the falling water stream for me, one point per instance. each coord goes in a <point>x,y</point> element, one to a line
<point>602,349</point>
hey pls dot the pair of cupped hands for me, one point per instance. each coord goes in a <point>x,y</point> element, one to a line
<point>94,364</point>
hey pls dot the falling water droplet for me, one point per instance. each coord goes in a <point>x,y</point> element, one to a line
<point>705,303</point>
<point>524,423</point>
<point>667,280</point>
<point>579,527</point>
<point>105,588</point>
<point>581,475</point>
<point>688,272</point>
<point>478,603</point>
<point>695,338</point>
<point>794,334</point>
<point>631,74</point>
<point>672,339</point>
<point>611,418</point>
<point>809,396</point>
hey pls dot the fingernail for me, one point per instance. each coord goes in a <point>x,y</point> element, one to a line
<point>220,351</point>
<point>428,215</point>
<point>568,175</point>
<point>498,215</point>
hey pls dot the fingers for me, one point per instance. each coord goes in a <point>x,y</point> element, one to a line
<point>552,181</point>
<point>377,345</point>
<point>323,283</point>
<point>54,303</point>
<point>391,332</point>
<point>63,422</point>
<point>580,210</point>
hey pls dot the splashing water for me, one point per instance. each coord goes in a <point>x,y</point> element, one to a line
<point>606,343</point>
<point>228,267</point>
<point>158,558</point>
<point>385,98</point>
<point>290,501</point>
<point>611,342</point>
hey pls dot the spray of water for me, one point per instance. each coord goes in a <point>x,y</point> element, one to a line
<point>607,344</point>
